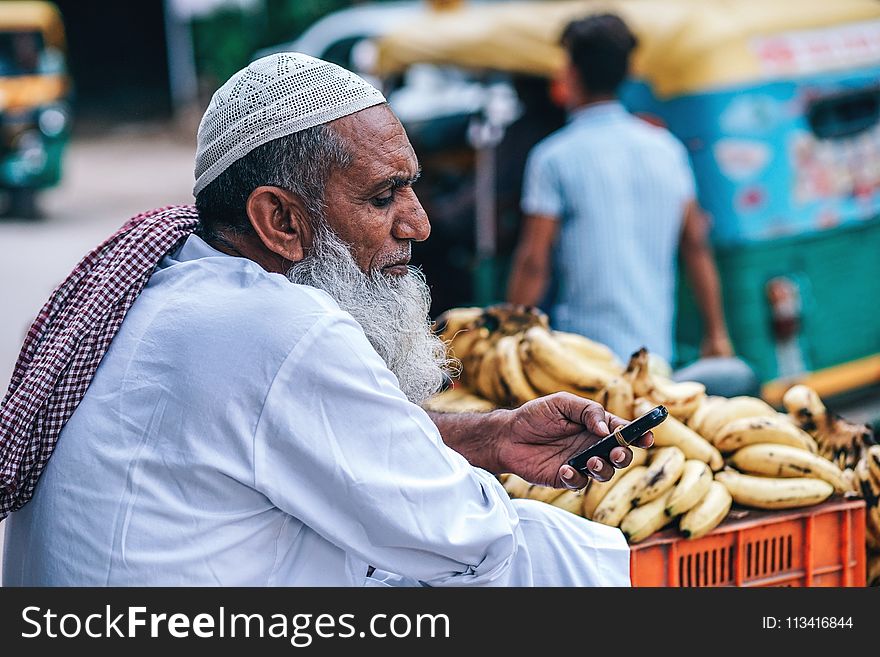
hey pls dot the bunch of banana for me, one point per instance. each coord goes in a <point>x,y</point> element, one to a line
<point>868,477</point>
<point>458,400</point>
<point>681,399</point>
<point>773,460</point>
<point>618,499</point>
<point>774,493</point>
<point>672,432</point>
<point>838,440</point>
<point>550,367</point>
<point>696,478</point>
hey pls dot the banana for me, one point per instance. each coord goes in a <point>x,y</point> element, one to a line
<point>516,487</point>
<point>771,460</point>
<point>681,399</point>
<point>511,372</point>
<point>641,522</point>
<point>664,471</point>
<point>452,321</point>
<point>596,490</point>
<point>586,349</point>
<point>640,457</point>
<point>544,493</point>
<point>805,407</point>
<point>697,419</point>
<point>487,382</point>
<point>690,489</point>
<point>868,486</point>
<point>672,432</point>
<point>725,411</point>
<point>571,501</point>
<point>618,499</point>
<point>473,358</point>
<point>872,525</point>
<point>842,441</point>
<point>617,398</point>
<point>549,356</point>
<point>872,458</point>
<point>771,493</point>
<point>458,400</point>
<point>872,537</point>
<point>751,430</point>
<point>708,513</point>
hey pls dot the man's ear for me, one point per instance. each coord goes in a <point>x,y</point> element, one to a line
<point>281,221</point>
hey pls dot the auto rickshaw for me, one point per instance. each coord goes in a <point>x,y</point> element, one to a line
<point>34,94</point>
<point>778,104</point>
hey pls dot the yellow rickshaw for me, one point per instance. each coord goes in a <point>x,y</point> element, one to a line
<point>778,104</point>
<point>34,94</point>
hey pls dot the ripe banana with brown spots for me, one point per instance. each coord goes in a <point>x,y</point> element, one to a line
<point>639,523</point>
<point>663,472</point>
<point>771,460</point>
<point>618,499</point>
<point>708,512</point>
<point>774,493</point>
<point>690,489</point>
<point>753,430</point>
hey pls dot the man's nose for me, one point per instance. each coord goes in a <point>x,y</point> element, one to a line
<point>411,222</point>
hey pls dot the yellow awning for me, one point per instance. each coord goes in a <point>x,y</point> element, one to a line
<point>684,45</point>
<point>40,16</point>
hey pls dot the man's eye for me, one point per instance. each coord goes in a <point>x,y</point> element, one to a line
<point>382,201</point>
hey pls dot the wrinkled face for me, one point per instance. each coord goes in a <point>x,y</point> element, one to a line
<point>370,204</point>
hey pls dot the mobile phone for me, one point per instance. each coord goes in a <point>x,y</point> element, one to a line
<point>623,436</point>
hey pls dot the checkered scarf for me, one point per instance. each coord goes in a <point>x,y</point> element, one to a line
<point>68,339</point>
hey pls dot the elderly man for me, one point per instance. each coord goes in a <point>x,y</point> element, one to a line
<point>239,405</point>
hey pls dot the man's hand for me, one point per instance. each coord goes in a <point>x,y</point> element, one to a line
<point>544,433</point>
<point>716,346</point>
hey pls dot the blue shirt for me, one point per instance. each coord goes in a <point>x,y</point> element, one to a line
<point>619,187</point>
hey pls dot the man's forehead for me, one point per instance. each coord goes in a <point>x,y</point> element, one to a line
<point>378,144</point>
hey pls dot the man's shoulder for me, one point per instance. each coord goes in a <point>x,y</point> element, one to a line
<point>658,135</point>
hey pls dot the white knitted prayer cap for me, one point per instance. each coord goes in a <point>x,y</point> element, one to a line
<point>273,97</point>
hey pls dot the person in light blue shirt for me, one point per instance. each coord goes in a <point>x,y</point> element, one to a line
<point>609,203</point>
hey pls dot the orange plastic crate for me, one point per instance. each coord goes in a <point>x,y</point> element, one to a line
<point>822,545</point>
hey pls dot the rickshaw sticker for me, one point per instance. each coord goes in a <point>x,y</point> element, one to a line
<point>752,114</point>
<point>741,159</point>
<point>824,49</point>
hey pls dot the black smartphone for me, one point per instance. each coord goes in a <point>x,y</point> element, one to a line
<point>623,436</point>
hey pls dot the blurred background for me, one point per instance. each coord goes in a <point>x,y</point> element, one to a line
<point>778,108</point>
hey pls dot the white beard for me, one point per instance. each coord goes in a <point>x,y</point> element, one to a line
<point>393,311</point>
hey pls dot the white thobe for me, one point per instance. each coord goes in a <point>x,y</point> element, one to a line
<point>242,431</point>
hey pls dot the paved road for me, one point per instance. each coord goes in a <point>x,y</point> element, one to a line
<point>106,181</point>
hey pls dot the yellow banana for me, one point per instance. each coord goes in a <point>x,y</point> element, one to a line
<point>544,493</point>
<point>690,489</point>
<point>449,323</point>
<point>488,382</point>
<point>805,407</point>
<point>571,501</point>
<point>725,411</point>
<point>516,487</point>
<point>771,460</point>
<point>458,400</point>
<point>511,372</point>
<point>698,418</point>
<point>639,523</point>
<point>868,486</point>
<point>640,457</point>
<point>618,499</point>
<point>549,356</point>
<point>872,458</point>
<point>664,470</point>
<point>752,430</point>
<point>596,490</point>
<point>584,348</point>
<point>617,398</point>
<point>708,512</point>
<point>672,432</point>
<point>680,399</point>
<point>772,493</point>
